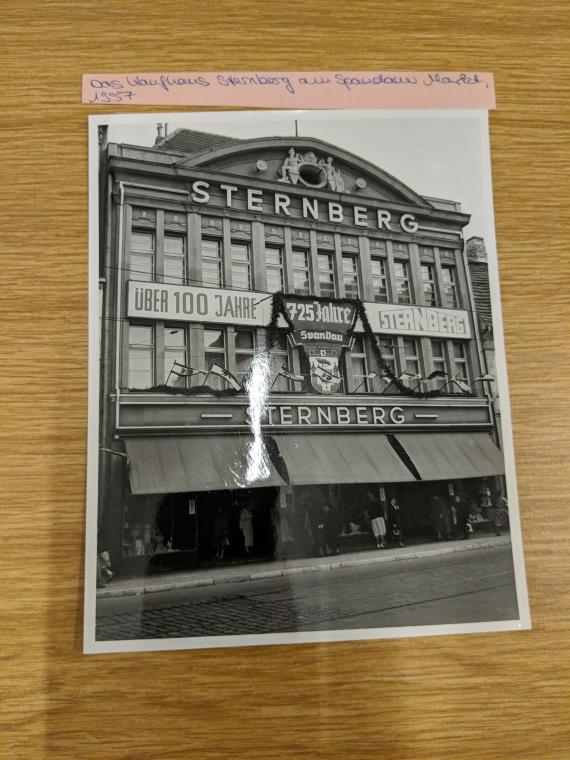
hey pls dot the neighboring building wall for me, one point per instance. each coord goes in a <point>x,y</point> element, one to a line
<point>479,275</point>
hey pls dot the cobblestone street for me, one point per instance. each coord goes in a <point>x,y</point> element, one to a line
<point>457,588</point>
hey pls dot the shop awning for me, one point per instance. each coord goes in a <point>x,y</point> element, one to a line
<point>172,464</point>
<point>347,458</point>
<point>451,456</point>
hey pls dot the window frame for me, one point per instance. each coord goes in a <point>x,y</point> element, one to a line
<point>237,264</point>
<point>432,302</point>
<point>329,271</point>
<point>280,268</point>
<point>134,272</point>
<point>383,276</point>
<point>360,356</point>
<point>306,269</point>
<point>354,275</point>
<point>219,259</point>
<point>172,329</point>
<point>175,279</point>
<point>462,361</point>
<point>449,287</point>
<point>404,263</point>
<point>139,348</point>
<point>244,352</point>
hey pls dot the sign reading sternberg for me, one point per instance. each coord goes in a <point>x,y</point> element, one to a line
<point>286,205</point>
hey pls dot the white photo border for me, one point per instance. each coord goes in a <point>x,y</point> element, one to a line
<point>90,644</point>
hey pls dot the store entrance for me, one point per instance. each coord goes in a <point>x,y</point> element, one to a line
<point>236,526</point>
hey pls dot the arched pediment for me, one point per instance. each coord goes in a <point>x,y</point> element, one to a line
<point>306,162</point>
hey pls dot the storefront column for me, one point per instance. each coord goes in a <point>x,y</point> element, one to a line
<point>367,289</point>
<point>195,248</point>
<point>258,256</point>
<point>314,262</point>
<point>288,262</point>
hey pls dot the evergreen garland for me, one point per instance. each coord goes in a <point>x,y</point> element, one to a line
<point>278,309</point>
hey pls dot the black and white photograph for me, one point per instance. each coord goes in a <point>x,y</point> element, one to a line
<point>299,427</point>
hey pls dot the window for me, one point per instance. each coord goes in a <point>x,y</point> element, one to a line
<point>379,280</point>
<point>245,348</point>
<point>438,363</point>
<point>142,255</point>
<point>411,361</point>
<point>274,268</point>
<point>460,361</point>
<point>428,285</point>
<point>279,361</point>
<point>326,275</point>
<point>174,350</point>
<point>301,273</point>
<point>174,259</point>
<point>215,351</point>
<point>141,356</point>
<point>387,346</point>
<point>359,365</point>
<point>402,282</point>
<point>350,276</point>
<point>212,263</point>
<point>449,287</point>
<point>241,266</point>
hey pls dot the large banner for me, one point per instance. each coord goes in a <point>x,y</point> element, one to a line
<point>186,303</point>
<point>323,330</point>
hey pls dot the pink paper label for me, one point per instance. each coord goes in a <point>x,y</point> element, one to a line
<point>294,89</point>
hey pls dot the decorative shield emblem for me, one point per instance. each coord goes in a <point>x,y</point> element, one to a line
<point>325,373</point>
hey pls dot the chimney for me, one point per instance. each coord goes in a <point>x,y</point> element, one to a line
<point>165,130</point>
<point>475,248</point>
<point>158,134</point>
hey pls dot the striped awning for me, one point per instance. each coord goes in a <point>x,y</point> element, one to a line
<point>452,456</point>
<point>314,459</point>
<point>171,464</point>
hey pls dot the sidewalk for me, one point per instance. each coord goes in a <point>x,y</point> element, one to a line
<point>282,568</point>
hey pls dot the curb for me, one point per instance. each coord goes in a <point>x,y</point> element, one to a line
<point>375,559</point>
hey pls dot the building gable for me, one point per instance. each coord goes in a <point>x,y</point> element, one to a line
<point>307,163</point>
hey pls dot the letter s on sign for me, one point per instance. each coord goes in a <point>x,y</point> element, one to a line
<point>408,223</point>
<point>200,192</point>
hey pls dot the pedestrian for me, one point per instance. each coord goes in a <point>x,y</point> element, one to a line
<point>246,527</point>
<point>446,515</point>
<point>436,508</point>
<point>395,518</point>
<point>462,510</point>
<point>317,521</point>
<point>376,517</point>
<point>492,517</point>
<point>220,532</point>
<point>331,529</point>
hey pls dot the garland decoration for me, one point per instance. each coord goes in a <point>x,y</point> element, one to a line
<point>279,309</point>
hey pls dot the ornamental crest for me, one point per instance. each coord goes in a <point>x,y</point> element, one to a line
<point>310,171</point>
<point>323,330</point>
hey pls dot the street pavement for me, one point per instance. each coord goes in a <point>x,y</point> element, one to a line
<point>460,587</point>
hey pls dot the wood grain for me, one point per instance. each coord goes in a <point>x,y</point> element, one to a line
<point>484,696</point>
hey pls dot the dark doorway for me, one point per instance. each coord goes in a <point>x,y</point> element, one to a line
<point>220,511</point>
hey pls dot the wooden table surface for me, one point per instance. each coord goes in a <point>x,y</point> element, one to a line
<point>503,695</point>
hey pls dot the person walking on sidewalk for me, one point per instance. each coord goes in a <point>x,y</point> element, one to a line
<point>395,518</point>
<point>220,532</point>
<point>246,527</point>
<point>462,507</point>
<point>492,517</point>
<point>376,517</point>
